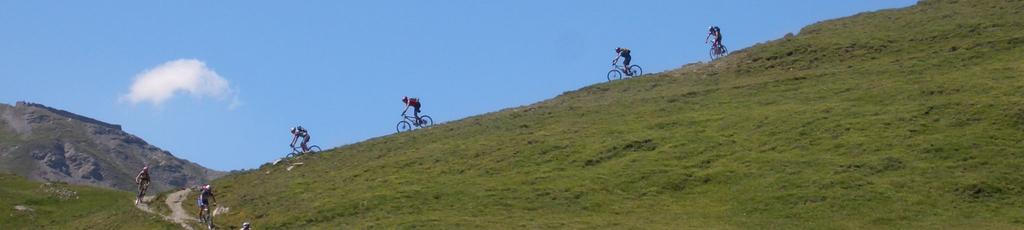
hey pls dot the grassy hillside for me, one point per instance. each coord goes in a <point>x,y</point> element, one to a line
<point>62,206</point>
<point>909,118</point>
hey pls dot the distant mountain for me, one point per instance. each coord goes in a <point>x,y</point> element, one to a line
<point>48,144</point>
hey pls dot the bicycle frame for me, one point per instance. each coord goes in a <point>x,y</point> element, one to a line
<point>297,150</point>
<point>718,47</point>
<point>619,67</point>
<point>143,188</point>
<point>208,217</point>
<point>412,120</point>
<point>204,212</point>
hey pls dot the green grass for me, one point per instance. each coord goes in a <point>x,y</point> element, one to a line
<point>91,208</point>
<point>158,205</point>
<point>909,118</point>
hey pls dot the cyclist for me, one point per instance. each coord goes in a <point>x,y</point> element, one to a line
<point>717,33</point>
<point>143,181</point>
<point>624,54</point>
<point>245,226</point>
<point>415,104</point>
<point>205,194</point>
<point>298,132</point>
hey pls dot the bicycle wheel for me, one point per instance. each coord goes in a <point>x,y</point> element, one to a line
<point>636,70</point>
<point>718,52</point>
<point>209,221</point>
<point>296,151</point>
<point>205,218</point>
<point>614,75</point>
<point>427,121</point>
<point>403,126</point>
<point>314,149</point>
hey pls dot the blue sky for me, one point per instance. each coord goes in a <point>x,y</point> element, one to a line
<point>340,68</point>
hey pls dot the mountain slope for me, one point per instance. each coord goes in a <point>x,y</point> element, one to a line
<point>909,118</point>
<point>33,205</point>
<point>44,143</point>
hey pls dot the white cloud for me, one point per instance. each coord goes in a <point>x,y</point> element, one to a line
<point>189,76</point>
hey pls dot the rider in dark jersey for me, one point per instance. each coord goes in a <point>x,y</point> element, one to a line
<point>717,33</point>
<point>299,132</point>
<point>205,194</point>
<point>143,181</point>
<point>624,54</point>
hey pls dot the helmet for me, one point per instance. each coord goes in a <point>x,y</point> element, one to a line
<point>405,98</point>
<point>145,167</point>
<point>207,187</point>
<point>246,224</point>
<point>617,49</point>
<point>294,129</point>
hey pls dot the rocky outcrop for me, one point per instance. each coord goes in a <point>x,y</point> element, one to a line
<point>49,144</point>
<point>65,161</point>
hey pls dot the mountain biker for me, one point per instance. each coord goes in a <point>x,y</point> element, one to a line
<point>205,194</point>
<point>245,226</point>
<point>415,104</point>
<point>298,132</point>
<point>143,181</point>
<point>624,54</point>
<point>717,33</point>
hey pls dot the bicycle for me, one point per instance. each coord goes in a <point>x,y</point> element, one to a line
<point>297,150</point>
<point>143,186</point>
<point>207,217</point>
<point>408,122</point>
<point>718,50</point>
<point>617,72</point>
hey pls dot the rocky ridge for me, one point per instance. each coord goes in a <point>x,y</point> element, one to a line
<point>48,144</point>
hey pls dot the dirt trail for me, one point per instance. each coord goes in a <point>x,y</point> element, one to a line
<point>145,205</point>
<point>178,214</point>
